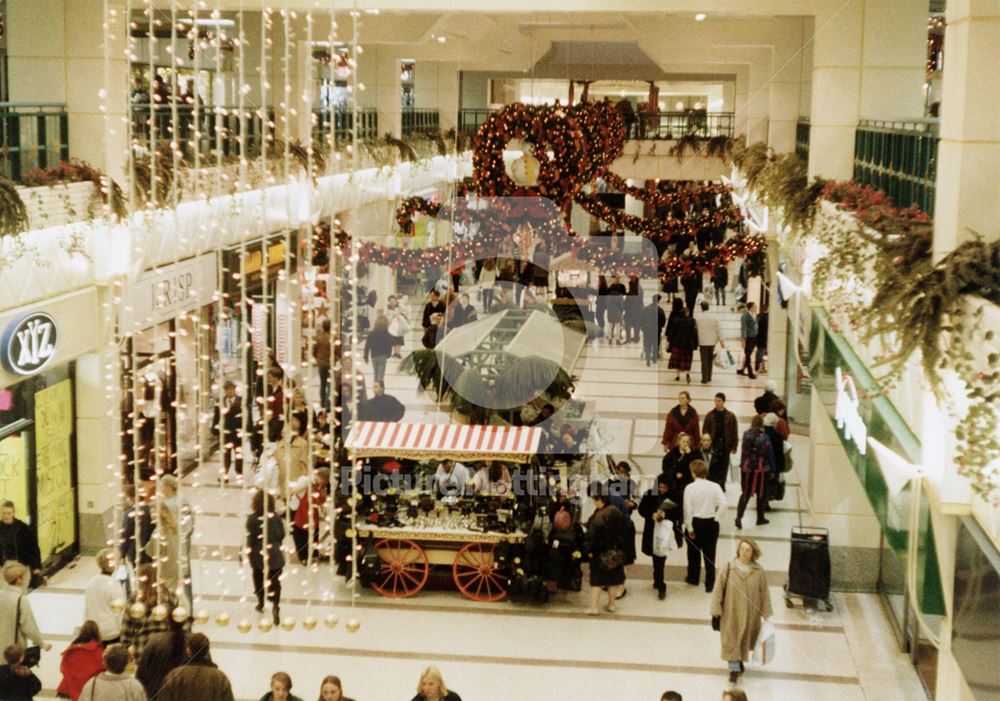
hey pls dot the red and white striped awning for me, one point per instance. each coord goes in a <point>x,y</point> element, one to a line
<point>456,441</point>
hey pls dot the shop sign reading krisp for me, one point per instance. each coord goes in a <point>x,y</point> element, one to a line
<point>160,295</point>
<point>846,413</point>
<point>29,343</point>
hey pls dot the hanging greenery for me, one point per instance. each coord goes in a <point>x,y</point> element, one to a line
<point>13,213</point>
<point>919,306</point>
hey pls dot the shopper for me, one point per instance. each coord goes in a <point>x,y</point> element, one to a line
<point>492,479</point>
<point>451,479</point>
<point>781,409</point>
<point>720,278</point>
<point>681,419</point>
<point>676,463</point>
<point>228,421</point>
<point>671,696</point>
<point>615,308</point>
<point>541,262</point>
<point>19,542</point>
<point>692,284</point>
<point>748,334</point>
<point>198,678</point>
<point>601,302</point>
<point>740,601</point>
<point>322,352</point>
<point>17,620</point>
<point>704,506</point>
<point>399,324</point>
<point>654,507</point>
<point>281,688</point>
<point>183,514</point>
<point>164,548</point>
<point>432,687</point>
<point>82,660</point>
<point>292,454</point>
<point>330,689</point>
<point>433,306</point>
<point>102,596</point>
<point>721,425</point>
<point>311,500</point>
<point>764,402</point>
<point>134,539</point>
<point>381,406</point>
<point>652,322</point>
<point>683,343</point>
<point>17,681</point>
<point>162,653</point>
<point>761,341</point>
<point>756,467</point>
<point>607,530</point>
<point>379,345</point>
<point>137,631</point>
<point>708,338</point>
<point>487,280</point>
<point>114,684</point>
<point>734,695</point>
<point>633,310</point>
<point>464,313</point>
<point>265,556</point>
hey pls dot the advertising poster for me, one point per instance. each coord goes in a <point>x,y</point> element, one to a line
<point>53,466</point>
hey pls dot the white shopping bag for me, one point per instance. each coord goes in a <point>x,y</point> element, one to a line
<point>734,467</point>
<point>724,359</point>
<point>763,650</point>
<point>664,541</point>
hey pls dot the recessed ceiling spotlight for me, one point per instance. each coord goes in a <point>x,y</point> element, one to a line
<point>700,17</point>
<point>441,40</point>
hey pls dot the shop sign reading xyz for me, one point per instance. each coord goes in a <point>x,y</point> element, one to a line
<point>29,343</point>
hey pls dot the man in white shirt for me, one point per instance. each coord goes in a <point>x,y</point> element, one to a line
<point>708,336</point>
<point>451,479</point>
<point>99,598</point>
<point>704,505</point>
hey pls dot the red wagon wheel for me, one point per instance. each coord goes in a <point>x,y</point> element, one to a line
<point>477,574</point>
<point>404,568</point>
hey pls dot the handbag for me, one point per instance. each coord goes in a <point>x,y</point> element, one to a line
<point>33,654</point>
<point>717,620</point>
<point>611,559</point>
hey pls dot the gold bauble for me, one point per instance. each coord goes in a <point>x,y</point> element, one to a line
<point>349,533</point>
<point>264,624</point>
<point>137,610</point>
<point>179,614</point>
<point>118,605</point>
<point>222,619</point>
<point>159,613</point>
<point>309,622</point>
<point>244,626</point>
<point>353,625</point>
<point>287,623</point>
<point>331,620</point>
<point>201,617</point>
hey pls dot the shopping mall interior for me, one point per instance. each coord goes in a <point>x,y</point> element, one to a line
<point>440,349</point>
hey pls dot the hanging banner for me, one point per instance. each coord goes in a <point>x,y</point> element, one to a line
<point>56,506</point>
<point>258,331</point>
<point>288,325</point>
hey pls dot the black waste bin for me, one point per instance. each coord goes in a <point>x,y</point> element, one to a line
<point>809,566</point>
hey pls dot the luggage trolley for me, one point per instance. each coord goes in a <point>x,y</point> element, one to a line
<point>809,567</point>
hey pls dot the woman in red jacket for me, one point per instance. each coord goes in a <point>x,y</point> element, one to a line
<point>681,419</point>
<point>83,659</point>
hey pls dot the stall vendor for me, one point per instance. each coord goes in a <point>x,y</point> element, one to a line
<point>492,479</point>
<point>451,479</point>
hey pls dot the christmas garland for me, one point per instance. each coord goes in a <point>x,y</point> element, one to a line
<point>919,305</point>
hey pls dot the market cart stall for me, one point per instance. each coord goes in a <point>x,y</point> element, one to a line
<point>411,533</point>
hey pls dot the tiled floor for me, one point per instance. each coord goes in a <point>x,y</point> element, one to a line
<point>494,652</point>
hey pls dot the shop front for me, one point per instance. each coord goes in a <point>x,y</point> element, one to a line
<point>38,457</point>
<point>882,451</point>
<point>168,331</point>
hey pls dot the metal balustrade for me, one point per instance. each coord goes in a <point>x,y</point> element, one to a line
<point>215,126</point>
<point>340,121</point>
<point>34,135</point>
<point>470,119</point>
<point>674,125</point>
<point>802,129</point>
<point>420,120</point>
<point>899,157</point>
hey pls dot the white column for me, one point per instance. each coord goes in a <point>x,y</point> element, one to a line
<point>784,88</point>
<point>379,69</point>
<point>868,61</point>
<point>97,448</point>
<point>969,150</point>
<point>436,86</point>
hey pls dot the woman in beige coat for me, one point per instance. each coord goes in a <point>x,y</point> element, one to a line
<point>292,454</point>
<point>741,600</point>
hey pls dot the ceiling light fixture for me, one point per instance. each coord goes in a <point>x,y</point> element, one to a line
<point>700,17</point>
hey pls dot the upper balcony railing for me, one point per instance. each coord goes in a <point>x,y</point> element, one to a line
<point>674,125</point>
<point>470,119</point>
<point>340,121</point>
<point>899,157</point>
<point>34,135</point>
<point>218,127</point>
<point>420,120</point>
